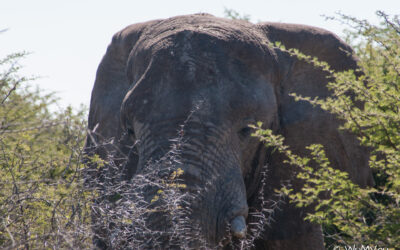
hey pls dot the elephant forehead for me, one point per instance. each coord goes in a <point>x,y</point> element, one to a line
<point>220,28</point>
<point>196,43</point>
<point>217,103</point>
<point>198,61</point>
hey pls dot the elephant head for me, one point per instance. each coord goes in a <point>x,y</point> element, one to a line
<point>216,76</point>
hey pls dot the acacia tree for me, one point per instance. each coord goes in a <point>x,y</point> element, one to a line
<point>351,215</point>
<point>42,202</point>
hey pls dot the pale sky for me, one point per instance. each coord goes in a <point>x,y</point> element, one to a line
<point>68,38</point>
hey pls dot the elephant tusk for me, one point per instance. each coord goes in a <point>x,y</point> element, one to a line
<point>238,227</point>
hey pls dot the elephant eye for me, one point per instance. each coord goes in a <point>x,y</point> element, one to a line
<point>129,131</point>
<point>245,132</point>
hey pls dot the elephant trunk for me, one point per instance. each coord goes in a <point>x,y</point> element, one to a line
<point>211,172</point>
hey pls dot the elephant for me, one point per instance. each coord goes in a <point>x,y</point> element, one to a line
<point>223,74</point>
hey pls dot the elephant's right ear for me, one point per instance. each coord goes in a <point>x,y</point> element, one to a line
<point>300,123</point>
<point>111,84</point>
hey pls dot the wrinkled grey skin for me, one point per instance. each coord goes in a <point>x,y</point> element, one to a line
<point>155,73</point>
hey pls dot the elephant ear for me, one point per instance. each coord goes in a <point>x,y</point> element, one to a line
<point>111,86</point>
<point>105,134</point>
<point>302,124</point>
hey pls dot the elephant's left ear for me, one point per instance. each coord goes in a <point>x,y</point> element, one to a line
<point>300,123</point>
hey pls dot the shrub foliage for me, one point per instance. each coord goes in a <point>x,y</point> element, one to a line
<point>42,204</point>
<point>368,102</point>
